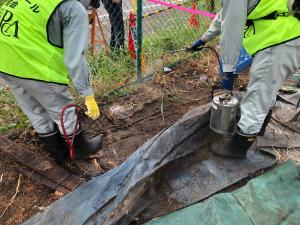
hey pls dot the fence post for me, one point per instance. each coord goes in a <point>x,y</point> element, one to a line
<point>139,43</point>
<point>212,6</point>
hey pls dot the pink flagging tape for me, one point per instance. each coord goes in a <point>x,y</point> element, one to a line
<point>195,11</point>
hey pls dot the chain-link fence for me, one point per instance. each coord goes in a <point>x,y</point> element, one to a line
<point>172,27</point>
<point>167,26</point>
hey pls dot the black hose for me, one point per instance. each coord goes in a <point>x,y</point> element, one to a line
<point>215,87</point>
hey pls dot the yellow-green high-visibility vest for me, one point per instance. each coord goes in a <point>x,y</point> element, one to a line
<point>269,24</point>
<point>25,48</point>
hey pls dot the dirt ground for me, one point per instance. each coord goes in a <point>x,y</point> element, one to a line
<point>1,84</point>
<point>126,123</point>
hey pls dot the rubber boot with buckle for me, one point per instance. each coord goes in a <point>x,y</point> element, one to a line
<point>237,148</point>
<point>265,124</point>
<point>55,145</point>
<point>84,147</point>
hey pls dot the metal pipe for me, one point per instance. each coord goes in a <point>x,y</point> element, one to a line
<point>139,22</point>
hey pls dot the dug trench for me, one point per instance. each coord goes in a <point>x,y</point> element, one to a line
<point>126,123</point>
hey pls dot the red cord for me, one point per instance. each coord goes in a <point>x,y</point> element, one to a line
<point>69,141</point>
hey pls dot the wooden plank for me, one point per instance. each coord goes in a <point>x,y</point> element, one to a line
<point>40,164</point>
<point>42,180</point>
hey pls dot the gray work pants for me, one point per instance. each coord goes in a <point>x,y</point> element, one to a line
<point>268,71</point>
<point>42,103</point>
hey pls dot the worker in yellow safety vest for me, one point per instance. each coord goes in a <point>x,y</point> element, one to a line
<point>43,48</point>
<point>270,32</point>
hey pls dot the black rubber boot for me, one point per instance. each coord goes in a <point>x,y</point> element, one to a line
<point>54,145</point>
<point>84,147</point>
<point>265,124</point>
<point>237,148</point>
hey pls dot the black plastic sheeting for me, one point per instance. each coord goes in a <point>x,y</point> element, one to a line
<point>172,170</point>
<point>283,130</point>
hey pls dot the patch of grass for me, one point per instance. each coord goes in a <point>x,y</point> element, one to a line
<point>110,71</point>
<point>111,68</point>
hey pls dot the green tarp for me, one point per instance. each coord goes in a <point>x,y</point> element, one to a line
<point>273,198</point>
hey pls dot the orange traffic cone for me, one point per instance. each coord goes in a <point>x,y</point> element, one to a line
<point>193,21</point>
<point>131,35</point>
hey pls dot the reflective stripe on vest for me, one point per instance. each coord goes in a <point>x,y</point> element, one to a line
<point>264,33</point>
<point>25,51</point>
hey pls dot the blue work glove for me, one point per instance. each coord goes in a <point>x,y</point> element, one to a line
<point>227,81</point>
<point>195,46</point>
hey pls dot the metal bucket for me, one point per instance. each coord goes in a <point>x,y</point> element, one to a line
<point>224,114</point>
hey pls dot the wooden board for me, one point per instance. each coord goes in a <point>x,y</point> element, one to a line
<point>40,168</point>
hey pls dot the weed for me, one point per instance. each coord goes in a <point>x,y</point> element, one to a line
<point>113,68</point>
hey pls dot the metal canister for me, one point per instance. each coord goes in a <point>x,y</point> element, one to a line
<point>224,114</point>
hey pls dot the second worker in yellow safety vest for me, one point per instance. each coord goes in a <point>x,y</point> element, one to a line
<point>43,48</point>
<point>270,32</point>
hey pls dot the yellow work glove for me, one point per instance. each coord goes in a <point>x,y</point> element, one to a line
<point>92,107</point>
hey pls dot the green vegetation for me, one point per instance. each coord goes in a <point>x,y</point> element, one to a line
<point>2,1</point>
<point>113,68</point>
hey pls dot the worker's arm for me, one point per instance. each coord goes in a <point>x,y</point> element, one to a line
<point>72,21</point>
<point>75,42</point>
<point>214,29</point>
<point>233,17</point>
